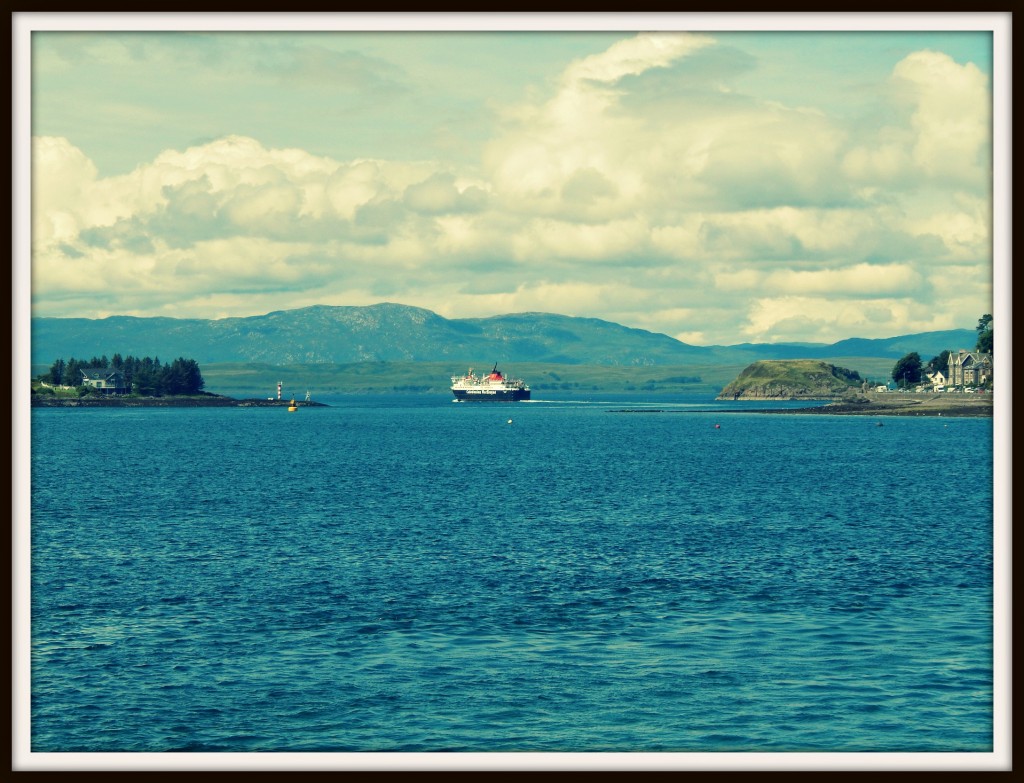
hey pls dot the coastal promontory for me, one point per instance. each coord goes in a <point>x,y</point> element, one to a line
<point>793,379</point>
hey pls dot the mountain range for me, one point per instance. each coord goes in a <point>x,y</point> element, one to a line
<point>390,332</point>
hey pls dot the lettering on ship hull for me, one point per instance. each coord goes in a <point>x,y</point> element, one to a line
<point>494,387</point>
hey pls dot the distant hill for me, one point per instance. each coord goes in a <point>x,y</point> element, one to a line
<point>791,379</point>
<point>927,344</point>
<point>399,333</point>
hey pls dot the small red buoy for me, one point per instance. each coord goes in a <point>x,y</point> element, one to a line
<point>718,426</point>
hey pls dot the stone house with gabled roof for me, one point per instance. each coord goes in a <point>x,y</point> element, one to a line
<point>104,379</point>
<point>969,368</point>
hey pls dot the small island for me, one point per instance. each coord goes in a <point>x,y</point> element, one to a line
<point>848,393</point>
<point>792,379</point>
<point>130,382</point>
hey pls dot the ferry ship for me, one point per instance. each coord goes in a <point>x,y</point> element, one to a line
<point>493,387</point>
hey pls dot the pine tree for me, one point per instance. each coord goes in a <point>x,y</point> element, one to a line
<point>56,374</point>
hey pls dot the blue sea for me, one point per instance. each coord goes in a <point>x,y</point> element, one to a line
<point>402,574</point>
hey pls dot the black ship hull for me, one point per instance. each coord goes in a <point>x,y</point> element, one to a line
<point>491,395</point>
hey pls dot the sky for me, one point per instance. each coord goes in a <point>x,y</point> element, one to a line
<point>718,186</point>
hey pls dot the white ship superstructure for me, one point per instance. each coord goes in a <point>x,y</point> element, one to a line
<point>493,387</point>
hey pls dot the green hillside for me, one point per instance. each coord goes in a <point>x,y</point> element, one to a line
<point>393,333</point>
<point>793,378</point>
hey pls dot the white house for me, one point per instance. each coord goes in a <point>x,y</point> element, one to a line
<point>106,380</point>
<point>938,380</point>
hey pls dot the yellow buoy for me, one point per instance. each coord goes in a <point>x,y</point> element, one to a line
<point>292,407</point>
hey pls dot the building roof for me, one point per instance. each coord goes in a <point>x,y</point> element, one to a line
<point>101,373</point>
<point>964,357</point>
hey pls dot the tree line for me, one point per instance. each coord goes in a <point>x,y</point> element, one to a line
<point>909,368</point>
<point>145,376</point>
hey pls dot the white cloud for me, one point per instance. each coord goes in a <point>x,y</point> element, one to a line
<point>944,130</point>
<point>543,240</point>
<point>962,223</point>
<point>637,190</point>
<point>63,178</point>
<point>860,280</point>
<point>553,153</point>
<point>441,194</point>
<point>825,319</point>
<point>634,56</point>
<point>952,117</point>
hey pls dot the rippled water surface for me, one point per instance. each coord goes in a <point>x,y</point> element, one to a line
<point>405,574</point>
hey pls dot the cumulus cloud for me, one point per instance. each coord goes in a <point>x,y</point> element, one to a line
<point>633,56</point>
<point>952,116</point>
<point>439,194</point>
<point>786,318</point>
<point>633,190</point>
<point>944,134</point>
<point>549,153</point>
<point>63,179</point>
<point>869,281</point>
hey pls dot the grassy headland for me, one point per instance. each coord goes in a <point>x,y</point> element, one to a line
<point>793,379</point>
<point>812,379</point>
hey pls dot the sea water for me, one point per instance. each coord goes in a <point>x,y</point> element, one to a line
<point>406,574</point>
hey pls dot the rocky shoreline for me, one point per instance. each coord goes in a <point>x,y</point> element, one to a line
<point>203,401</point>
<point>947,405</point>
<point>893,404</point>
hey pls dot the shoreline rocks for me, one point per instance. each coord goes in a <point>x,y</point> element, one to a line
<point>894,404</point>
